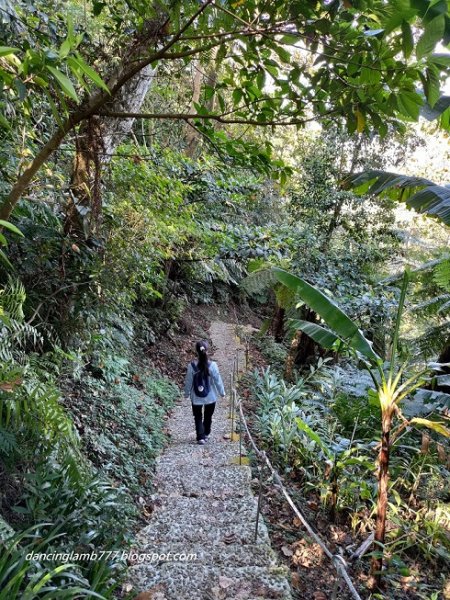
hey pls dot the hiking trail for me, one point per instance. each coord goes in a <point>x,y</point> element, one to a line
<point>205,506</point>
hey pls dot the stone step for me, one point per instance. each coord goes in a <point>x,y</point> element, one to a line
<point>228,555</point>
<point>221,481</point>
<point>193,529</point>
<point>178,581</point>
<point>194,513</point>
<point>213,453</point>
<point>179,430</point>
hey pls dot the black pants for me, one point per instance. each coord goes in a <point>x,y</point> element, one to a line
<point>203,421</point>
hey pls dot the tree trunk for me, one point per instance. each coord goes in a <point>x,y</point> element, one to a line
<point>444,356</point>
<point>192,135</point>
<point>307,347</point>
<point>201,76</point>
<point>278,324</point>
<point>25,178</point>
<point>290,360</point>
<point>302,348</point>
<point>143,57</point>
<point>335,218</point>
<point>382,503</point>
<point>96,141</point>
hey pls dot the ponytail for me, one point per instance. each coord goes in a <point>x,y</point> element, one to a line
<point>201,348</point>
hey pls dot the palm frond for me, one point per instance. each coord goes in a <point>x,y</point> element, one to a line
<point>421,194</point>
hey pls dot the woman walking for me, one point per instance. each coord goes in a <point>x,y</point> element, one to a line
<point>203,384</point>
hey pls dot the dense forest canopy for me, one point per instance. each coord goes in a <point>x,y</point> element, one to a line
<point>281,159</point>
<point>280,63</point>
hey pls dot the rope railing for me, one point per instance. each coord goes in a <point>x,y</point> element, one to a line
<point>337,560</point>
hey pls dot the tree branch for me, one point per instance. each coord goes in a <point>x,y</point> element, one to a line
<point>207,117</point>
<point>85,111</point>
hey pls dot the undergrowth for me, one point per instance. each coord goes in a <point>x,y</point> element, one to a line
<point>122,426</point>
<point>321,433</point>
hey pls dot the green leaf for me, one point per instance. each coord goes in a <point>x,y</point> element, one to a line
<point>407,39</point>
<point>4,122</point>
<point>409,104</point>
<point>434,31</point>
<point>89,71</point>
<point>98,7</point>
<point>433,85</point>
<point>6,50</point>
<point>333,316</point>
<point>64,82</point>
<point>284,55</point>
<point>65,48</point>
<point>319,334</point>
<point>4,260</point>
<point>237,96</point>
<point>313,436</point>
<point>289,39</point>
<point>434,425</point>
<point>10,227</point>
<point>440,59</point>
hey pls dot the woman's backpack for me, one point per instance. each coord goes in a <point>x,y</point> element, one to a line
<point>200,382</point>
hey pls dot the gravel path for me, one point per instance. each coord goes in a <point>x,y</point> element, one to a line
<point>205,507</point>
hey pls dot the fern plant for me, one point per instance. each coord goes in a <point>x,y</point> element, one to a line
<point>15,333</point>
<point>29,402</point>
<point>8,443</point>
<point>434,311</point>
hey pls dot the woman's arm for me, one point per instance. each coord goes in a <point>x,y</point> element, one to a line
<point>218,381</point>
<point>188,381</point>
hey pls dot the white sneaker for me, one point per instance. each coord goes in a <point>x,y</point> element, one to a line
<point>201,442</point>
<point>206,438</point>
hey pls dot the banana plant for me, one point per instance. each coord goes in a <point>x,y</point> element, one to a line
<point>389,387</point>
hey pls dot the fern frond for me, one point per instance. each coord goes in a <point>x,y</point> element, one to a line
<point>434,339</point>
<point>431,303</point>
<point>285,296</point>
<point>445,307</point>
<point>259,281</point>
<point>12,299</point>
<point>8,442</point>
<point>441,274</point>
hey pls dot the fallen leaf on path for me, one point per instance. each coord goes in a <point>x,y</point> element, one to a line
<point>155,593</point>
<point>287,551</point>
<point>296,581</point>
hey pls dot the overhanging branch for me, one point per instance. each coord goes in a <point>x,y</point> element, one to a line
<point>207,117</point>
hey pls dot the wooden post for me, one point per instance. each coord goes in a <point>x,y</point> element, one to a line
<point>258,509</point>
<point>240,438</point>
<point>232,414</point>
<point>229,395</point>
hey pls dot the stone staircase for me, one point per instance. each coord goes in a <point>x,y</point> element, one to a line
<point>205,508</point>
